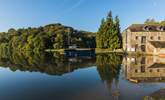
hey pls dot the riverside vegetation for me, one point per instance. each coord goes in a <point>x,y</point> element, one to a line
<point>58,36</point>
<point>53,36</point>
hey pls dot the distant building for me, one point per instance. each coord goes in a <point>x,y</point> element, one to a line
<point>74,46</point>
<point>144,38</point>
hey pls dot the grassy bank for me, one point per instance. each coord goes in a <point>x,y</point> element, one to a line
<point>98,51</point>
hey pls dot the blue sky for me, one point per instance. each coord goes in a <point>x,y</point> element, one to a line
<point>80,14</point>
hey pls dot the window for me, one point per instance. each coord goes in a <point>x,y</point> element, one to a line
<point>136,47</point>
<point>147,28</point>
<point>143,40</point>
<point>143,69</point>
<point>143,48</point>
<point>136,70</point>
<point>143,60</point>
<point>136,61</point>
<point>136,37</point>
<point>159,38</point>
<point>151,37</point>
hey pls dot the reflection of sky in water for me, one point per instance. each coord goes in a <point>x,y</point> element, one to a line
<point>78,85</point>
<point>133,91</point>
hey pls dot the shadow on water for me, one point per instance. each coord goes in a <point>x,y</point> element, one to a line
<point>56,64</point>
<point>120,76</point>
<point>48,63</point>
<point>107,66</point>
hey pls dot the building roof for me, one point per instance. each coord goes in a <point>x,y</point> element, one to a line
<point>157,65</point>
<point>146,28</point>
<point>158,44</point>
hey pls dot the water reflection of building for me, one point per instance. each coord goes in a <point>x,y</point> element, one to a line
<point>144,69</point>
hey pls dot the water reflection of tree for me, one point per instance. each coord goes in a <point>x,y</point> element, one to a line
<point>52,64</point>
<point>108,67</point>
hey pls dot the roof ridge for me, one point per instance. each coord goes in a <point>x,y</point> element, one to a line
<point>150,28</point>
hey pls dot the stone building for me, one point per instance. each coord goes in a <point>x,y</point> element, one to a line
<point>149,39</point>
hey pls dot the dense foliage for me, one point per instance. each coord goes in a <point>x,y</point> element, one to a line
<point>108,35</point>
<point>154,22</point>
<point>53,36</point>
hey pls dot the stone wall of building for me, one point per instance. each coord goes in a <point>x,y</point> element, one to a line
<point>136,41</point>
<point>150,49</point>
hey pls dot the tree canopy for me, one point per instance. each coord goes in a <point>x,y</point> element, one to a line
<point>108,35</point>
<point>154,22</point>
<point>52,36</point>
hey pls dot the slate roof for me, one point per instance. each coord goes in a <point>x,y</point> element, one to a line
<point>146,28</point>
<point>158,44</point>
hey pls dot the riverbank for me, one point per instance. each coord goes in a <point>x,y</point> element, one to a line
<point>88,51</point>
<point>97,51</point>
<point>102,51</point>
<point>61,51</point>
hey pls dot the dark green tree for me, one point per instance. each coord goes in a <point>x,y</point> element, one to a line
<point>100,35</point>
<point>108,35</point>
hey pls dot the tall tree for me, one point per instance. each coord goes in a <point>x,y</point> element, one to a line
<point>108,35</point>
<point>100,35</point>
<point>118,34</point>
<point>109,30</point>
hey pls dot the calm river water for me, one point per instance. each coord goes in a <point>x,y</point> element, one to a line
<point>104,77</point>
